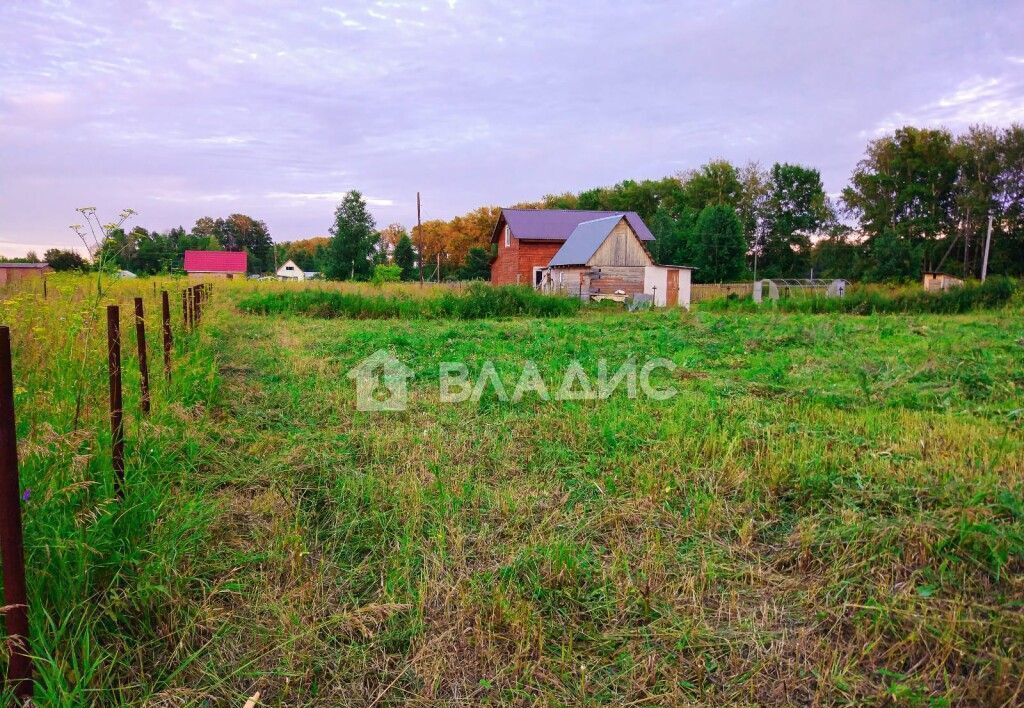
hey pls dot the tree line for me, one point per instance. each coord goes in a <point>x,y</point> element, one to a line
<point>919,199</point>
<point>147,252</point>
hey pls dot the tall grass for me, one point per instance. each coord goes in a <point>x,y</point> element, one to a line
<point>478,301</point>
<point>110,583</point>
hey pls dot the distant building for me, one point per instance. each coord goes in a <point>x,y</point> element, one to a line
<point>15,272</point>
<point>527,240</point>
<point>290,271</point>
<point>216,264</point>
<point>938,282</point>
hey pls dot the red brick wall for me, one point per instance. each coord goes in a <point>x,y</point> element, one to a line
<point>515,264</point>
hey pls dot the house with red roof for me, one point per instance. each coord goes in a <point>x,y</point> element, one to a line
<point>216,264</point>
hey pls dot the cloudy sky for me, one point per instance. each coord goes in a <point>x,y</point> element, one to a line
<point>182,109</point>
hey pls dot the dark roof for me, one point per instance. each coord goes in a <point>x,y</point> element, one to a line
<point>25,265</point>
<point>558,224</point>
<point>584,241</point>
<point>216,261</point>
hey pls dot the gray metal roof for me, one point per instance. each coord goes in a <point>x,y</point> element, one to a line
<point>584,241</point>
<point>22,264</point>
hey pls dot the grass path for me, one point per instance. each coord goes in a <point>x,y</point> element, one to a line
<point>832,509</point>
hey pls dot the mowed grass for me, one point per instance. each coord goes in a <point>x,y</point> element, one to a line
<point>830,510</point>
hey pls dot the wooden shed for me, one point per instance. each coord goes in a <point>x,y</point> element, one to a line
<point>14,272</point>
<point>605,258</point>
<point>937,282</point>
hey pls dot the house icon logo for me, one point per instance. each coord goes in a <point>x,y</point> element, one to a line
<point>382,382</point>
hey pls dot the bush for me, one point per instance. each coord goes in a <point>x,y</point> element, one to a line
<point>383,273</point>
<point>478,301</point>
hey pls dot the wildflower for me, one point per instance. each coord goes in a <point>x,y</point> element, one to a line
<point>27,494</point>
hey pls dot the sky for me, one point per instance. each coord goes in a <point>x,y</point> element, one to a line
<point>182,109</point>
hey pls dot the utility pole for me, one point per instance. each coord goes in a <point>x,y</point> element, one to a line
<point>419,236</point>
<point>439,266</point>
<point>988,242</point>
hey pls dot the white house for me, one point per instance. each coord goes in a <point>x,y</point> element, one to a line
<point>290,271</point>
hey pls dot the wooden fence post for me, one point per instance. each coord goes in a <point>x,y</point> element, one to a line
<point>19,667</point>
<point>140,340</point>
<point>197,299</point>
<point>184,309</point>
<point>116,403</point>
<point>168,340</point>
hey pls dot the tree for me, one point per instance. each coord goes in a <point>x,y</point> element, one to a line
<point>905,188</point>
<point>243,233</point>
<point>353,238</point>
<point>405,256</point>
<point>478,265</point>
<point>715,183</point>
<point>719,248</point>
<point>64,259</point>
<point>795,208</point>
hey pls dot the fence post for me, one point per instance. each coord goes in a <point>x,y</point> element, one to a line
<point>19,667</point>
<point>116,404</point>
<point>168,341</point>
<point>184,309</point>
<point>140,341</point>
<point>197,299</point>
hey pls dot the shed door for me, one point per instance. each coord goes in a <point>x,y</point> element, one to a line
<point>672,288</point>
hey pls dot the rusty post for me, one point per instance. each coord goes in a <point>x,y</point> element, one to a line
<point>116,403</point>
<point>140,341</point>
<point>44,287</point>
<point>12,550</point>
<point>168,340</point>
<point>197,296</point>
<point>184,310</point>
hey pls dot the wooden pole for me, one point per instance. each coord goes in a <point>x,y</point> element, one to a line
<point>140,340</point>
<point>168,339</point>
<point>419,236</point>
<point>197,303</point>
<point>988,244</point>
<point>19,666</point>
<point>184,309</point>
<point>116,403</point>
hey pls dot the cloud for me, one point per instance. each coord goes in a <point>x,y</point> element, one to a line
<point>981,99</point>
<point>332,197</point>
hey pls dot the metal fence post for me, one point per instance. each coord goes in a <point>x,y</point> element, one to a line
<point>140,341</point>
<point>116,403</point>
<point>168,340</point>
<point>19,667</point>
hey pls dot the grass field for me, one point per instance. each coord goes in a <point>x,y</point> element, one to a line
<point>830,510</point>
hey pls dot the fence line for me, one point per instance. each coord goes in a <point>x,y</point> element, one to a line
<point>710,291</point>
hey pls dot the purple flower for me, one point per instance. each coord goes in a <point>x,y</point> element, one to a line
<point>27,495</point>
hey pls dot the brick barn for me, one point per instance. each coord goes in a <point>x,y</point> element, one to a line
<point>527,240</point>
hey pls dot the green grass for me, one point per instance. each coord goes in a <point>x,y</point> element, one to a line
<point>830,510</point>
<point>478,301</point>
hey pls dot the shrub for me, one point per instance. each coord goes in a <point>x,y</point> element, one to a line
<point>383,273</point>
